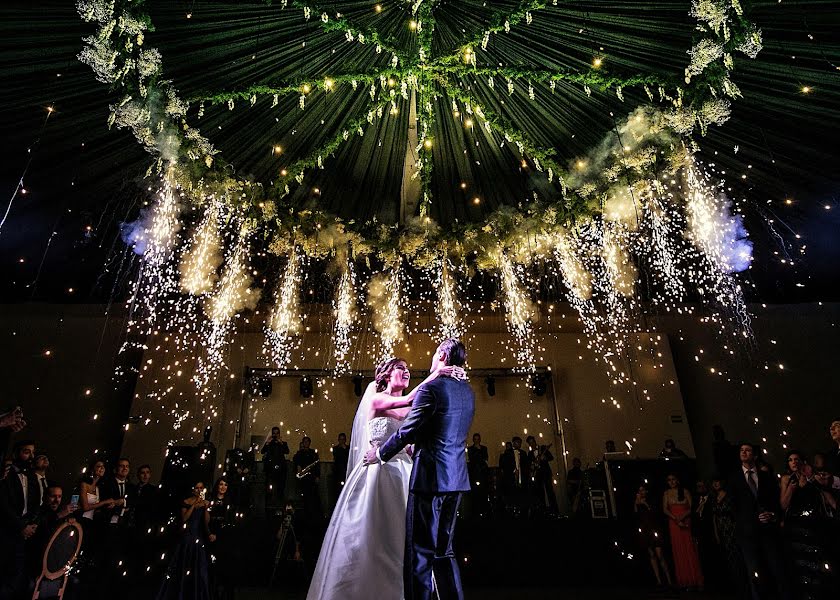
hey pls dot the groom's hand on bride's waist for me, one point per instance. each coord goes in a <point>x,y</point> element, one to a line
<point>372,455</point>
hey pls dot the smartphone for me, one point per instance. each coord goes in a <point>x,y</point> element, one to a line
<point>74,500</point>
<point>203,493</point>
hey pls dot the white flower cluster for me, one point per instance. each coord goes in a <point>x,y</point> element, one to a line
<point>100,57</point>
<point>148,62</point>
<point>704,53</point>
<point>713,12</point>
<point>752,44</point>
<point>101,11</point>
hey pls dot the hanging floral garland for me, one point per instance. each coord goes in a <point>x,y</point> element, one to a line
<point>640,200</point>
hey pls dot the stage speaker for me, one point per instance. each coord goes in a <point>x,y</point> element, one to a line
<point>260,385</point>
<point>491,385</point>
<point>305,387</point>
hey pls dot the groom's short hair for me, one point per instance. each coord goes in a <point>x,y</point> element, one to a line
<point>456,352</point>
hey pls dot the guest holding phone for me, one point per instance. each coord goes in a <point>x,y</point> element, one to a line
<point>186,577</point>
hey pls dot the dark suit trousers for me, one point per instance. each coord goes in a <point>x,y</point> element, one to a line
<point>763,554</point>
<point>430,530</point>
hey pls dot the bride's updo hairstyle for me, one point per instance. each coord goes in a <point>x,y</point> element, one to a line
<point>383,372</point>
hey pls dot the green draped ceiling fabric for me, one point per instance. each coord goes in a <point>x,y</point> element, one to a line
<point>313,100</point>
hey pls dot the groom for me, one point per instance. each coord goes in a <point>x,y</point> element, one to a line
<point>440,418</point>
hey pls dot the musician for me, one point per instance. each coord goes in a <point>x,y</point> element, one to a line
<point>539,457</point>
<point>477,466</point>
<point>274,453</point>
<point>341,454</point>
<point>308,471</point>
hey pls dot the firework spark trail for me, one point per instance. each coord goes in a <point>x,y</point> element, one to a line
<point>283,326</point>
<point>233,294</point>
<point>447,306</point>
<point>344,311</point>
<point>519,311</point>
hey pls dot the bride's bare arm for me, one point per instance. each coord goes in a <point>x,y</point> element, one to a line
<point>397,407</point>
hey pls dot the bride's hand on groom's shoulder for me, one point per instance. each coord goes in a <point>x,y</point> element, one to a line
<point>455,372</point>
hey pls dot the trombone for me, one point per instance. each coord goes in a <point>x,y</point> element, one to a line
<point>305,471</point>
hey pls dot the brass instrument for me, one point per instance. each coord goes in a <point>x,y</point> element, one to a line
<point>305,471</point>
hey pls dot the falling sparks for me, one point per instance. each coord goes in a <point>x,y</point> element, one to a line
<point>233,294</point>
<point>447,308</point>
<point>283,326</point>
<point>203,257</point>
<point>384,299</point>
<point>519,312</point>
<point>344,312</point>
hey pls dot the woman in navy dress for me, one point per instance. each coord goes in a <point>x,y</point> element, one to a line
<point>186,577</point>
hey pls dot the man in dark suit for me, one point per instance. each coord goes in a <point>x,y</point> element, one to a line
<point>516,475</point>
<point>119,537</point>
<point>437,425</point>
<point>18,498</point>
<point>755,496</point>
<point>833,455</point>
<point>39,477</point>
<point>274,453</point>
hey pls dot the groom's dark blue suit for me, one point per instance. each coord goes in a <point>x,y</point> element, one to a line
<point>437,425</point>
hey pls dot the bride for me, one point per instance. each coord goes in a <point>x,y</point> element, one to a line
<point>362,553</point>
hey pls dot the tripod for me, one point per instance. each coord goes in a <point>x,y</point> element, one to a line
<point>286,528</point>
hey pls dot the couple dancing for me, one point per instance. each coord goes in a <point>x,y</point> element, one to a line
<point>390,536</point>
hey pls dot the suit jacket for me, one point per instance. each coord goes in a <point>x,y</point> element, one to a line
<point>747,506</point>
<point>110,489</point>
<point>507,463</point>
<point>833,462</point>
<point>437,425</point>
<point>14,512</point>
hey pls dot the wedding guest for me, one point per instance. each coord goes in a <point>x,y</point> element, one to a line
<point>755,499</point>
<point>18,496</point>
<point>341,454</point>
<point>222,546</point>
<point>651,536</point>
<point>274,453</point>
<point>121,490</point>
<point>574,485</point>
<point>834,453</point>
<point>670,450</point>
<point>677,506</point>
<point>51,514</point>
<point>148,531</point>
<point>477,467</point>
<point>39,472</point>
<point>147,508</point>
<point>515,472</point>
<point>186,576</point>
<point>542,484</point>
<point>702,528</point>
<point>806,525</point>
<point>724,527</point>
<point>93,507</point>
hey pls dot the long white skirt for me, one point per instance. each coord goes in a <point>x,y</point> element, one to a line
<point>362,554</point>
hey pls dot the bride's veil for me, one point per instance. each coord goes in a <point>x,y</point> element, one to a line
<point>360,436</point>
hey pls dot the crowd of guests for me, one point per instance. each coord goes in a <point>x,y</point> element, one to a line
<point>523,484</point>
<point>748,530</point>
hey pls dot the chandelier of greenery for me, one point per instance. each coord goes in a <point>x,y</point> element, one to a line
<point>639,200</point>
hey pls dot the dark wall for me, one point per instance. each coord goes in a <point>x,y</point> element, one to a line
<point>65,420</point>
<point>794,359</point>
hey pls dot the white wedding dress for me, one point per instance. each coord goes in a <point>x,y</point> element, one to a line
<point>362,554</point>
